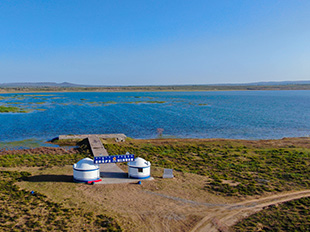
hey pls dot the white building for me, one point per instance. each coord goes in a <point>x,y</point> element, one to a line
<point>85,170</point>
<point>139,169</point>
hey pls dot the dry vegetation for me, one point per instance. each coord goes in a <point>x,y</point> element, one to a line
<point>22,210</point>
<point>235,167</point>
<point>289,216</point>
<point>155,88</point>
<point>210,174</point>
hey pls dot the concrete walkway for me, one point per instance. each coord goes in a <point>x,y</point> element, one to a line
<point>96,146</point>
<point>117,137</point>
<point>112,174</point>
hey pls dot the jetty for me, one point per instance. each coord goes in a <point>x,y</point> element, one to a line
<point>96,146</point>
<point>117,137</point>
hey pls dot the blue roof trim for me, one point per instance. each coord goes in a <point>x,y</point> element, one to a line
<point>139,167</point>
<point>85,170</point>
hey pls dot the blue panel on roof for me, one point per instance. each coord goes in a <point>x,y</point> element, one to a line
<point>113,159</point>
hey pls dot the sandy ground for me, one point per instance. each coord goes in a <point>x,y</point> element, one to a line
<point>222,218</point>
<point>178,204</point>
<point>159,205</point>
<point>112,174</point>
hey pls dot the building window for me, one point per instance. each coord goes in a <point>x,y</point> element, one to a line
<point>140,169</point>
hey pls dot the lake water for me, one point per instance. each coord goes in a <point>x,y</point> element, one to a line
<point>227,114</point>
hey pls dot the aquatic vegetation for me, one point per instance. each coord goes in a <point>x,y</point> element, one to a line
<point>98,103</point>
<point>13,103</point>
<point>27,143</point>
<point>178,101</point>
<point>11,109</point>
<point>19,97</point>
<point>145,102</point>
<point>155,102</point>
<point>109,102</point>
<point>40,95</point>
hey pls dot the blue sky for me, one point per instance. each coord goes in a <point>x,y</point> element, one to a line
<point>144,42</point>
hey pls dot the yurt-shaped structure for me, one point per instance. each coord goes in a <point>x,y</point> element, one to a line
<point>139,169</point>
<point>85,170</point>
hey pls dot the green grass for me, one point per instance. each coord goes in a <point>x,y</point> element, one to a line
<point>256,169</point>
<point>39,160</point>
<point>22,210</point>
<point>250,170</point>
<point>233,168</point>
<point>11,109</point>
<point>290,216</point>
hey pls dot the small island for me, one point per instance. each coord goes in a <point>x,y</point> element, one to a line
<point>12,109</point>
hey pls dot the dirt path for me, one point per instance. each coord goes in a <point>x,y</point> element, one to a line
<point>179,204</point>
<point>222,218</point>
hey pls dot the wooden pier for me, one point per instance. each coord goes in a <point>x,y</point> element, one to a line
<point>117,137</point>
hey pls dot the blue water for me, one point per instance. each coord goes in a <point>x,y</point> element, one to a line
<point>227,114</point>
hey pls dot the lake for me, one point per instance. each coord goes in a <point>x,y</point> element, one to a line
<point>222,114</point>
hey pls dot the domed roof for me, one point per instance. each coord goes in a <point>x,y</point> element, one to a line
<point>139,163</point>
<point>85,164</point>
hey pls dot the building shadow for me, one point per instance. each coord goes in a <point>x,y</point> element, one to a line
<point>50,178</point>
<point>120,175</point>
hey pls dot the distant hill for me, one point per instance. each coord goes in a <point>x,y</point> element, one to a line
<point>265,83</point>
<point>280,83</point>
<point>71,85</point>
<point>66,86</point>
<point>41,85</point>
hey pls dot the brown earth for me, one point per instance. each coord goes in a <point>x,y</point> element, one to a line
<point>159,205</point>
<point>178,204</point>
<point>222,218</point>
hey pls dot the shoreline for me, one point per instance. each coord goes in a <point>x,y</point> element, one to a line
<point>134,89</point>
<point>71,143</point>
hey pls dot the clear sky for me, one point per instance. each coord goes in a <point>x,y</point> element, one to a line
<point>151,42</point>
